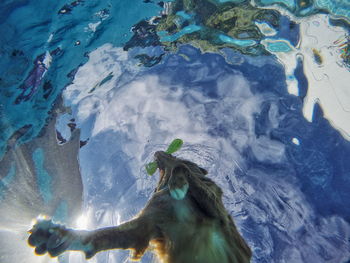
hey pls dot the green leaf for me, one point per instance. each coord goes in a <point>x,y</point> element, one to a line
<point>174,146</point>
<point>151,168</point>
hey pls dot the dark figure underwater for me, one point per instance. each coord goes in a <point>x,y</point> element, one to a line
<point>184,222</point>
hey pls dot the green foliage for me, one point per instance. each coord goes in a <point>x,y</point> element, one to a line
<point>174,146</point>
<point>151,168</point>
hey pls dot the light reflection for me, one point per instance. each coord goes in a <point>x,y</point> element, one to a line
<point>82,222</point>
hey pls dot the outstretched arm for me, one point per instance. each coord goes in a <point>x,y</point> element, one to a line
<point>55,239</point>
<point>134,234</point>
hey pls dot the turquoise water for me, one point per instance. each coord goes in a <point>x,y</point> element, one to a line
<point>238,42</point>
<point>28,27</point>
<point>186,30</point>
<point>233,1</point>
<point>61,213</point>
<point>288,3</point>
<point>6,181</point>
<point>44,179</point>
<point>184,15</point>
<point>279,46</point>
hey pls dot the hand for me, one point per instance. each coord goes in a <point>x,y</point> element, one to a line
<point>47,236</point>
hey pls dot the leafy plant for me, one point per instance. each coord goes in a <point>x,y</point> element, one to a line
<point>174,146</point>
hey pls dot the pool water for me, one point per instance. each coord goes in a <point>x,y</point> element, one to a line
<point>89,90</point>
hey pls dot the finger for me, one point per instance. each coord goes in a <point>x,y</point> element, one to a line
<point>54,252</point>
<point>41,224</point>
<point>54,241</point>
<point>32,241</point>
<point>41,250</point>
<point>89,254</point>
<point>59,244</point>
<point>38,237</point>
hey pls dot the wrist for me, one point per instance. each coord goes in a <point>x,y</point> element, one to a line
<point>83,241</point>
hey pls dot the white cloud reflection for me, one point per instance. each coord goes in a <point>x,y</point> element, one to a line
<point>135,114</point>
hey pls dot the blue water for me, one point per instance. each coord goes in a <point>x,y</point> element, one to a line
<point>286,181</point>
<point>238,42</point>
<point>184,15</point>
<point>44,180</point>
<point>25,31</point>
<point>6,181</point>
<point>279,46</point>
<point>186,30</point>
